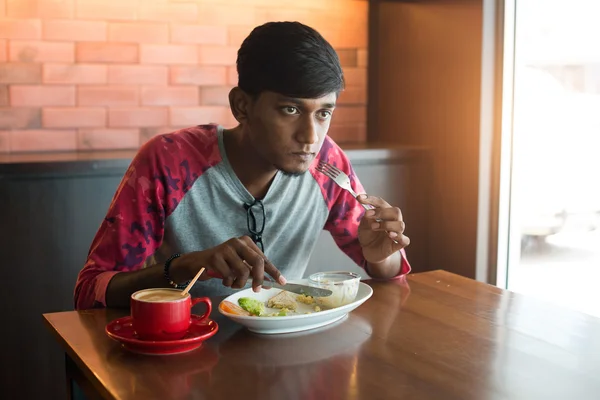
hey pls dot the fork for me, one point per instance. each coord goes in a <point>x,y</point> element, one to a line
<point>342,180</point>
<point>339,177</point>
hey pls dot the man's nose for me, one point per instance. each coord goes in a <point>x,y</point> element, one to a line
<point>308,132</point>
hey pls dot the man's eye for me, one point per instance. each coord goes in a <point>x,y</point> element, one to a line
<point>324,114</point>
<point>290,110</point>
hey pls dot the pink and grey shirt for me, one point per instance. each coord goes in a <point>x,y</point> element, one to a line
<point>181,195</point>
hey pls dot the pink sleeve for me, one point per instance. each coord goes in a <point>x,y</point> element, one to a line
<point>154,184</point>
<point>345,212</point>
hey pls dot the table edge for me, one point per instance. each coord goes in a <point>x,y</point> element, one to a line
<point>101,389</point>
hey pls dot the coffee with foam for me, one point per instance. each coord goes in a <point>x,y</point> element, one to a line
<point>159,295</point>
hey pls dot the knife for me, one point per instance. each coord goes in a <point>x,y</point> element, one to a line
<point>299,289</point>
<point>290,287</point>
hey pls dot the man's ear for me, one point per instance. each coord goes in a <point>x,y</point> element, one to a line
<point>240,103</point>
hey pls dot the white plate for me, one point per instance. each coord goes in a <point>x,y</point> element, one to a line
<point>293,323</point>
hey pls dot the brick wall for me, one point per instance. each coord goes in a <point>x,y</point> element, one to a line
<point>110,74</point>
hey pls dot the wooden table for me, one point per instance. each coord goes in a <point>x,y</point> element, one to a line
<point>434,336</point>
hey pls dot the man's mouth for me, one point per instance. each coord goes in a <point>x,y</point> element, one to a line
<point>304,155</point>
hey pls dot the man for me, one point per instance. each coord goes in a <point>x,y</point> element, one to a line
<point>246,201</point>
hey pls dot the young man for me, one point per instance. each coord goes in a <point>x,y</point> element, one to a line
<point>248,201</point>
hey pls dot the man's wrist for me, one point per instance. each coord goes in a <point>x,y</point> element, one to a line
<point>386,269</point>
<point>179,269</point>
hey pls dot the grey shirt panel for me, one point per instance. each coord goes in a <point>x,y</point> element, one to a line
<point>213,211</point>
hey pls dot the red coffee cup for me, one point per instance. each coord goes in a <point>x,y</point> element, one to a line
<point>163,314</point>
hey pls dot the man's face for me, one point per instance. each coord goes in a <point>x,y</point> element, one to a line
<point>289,132</point>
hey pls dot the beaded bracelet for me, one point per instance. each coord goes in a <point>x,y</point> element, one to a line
<point>168,276</point>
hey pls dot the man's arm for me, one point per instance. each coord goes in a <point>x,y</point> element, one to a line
<point>122,285</point>
<point>234,261</point>
<point>343,224</point>
<point>130,233</point>
<point>345,214</point>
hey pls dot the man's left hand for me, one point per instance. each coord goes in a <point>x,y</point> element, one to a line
<point>381,230</point>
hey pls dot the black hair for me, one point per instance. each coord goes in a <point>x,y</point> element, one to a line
<point>288,58</point>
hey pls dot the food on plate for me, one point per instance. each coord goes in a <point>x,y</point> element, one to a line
<point>281,313</point>
<point>231,308</point>
<point>253,306</point>
<point>283,300</point>
<point>306,299</point>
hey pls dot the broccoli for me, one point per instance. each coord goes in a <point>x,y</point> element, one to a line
<point>254,307</point>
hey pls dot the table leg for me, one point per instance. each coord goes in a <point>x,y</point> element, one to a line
<point>69,381</point>
<point>78,386</point>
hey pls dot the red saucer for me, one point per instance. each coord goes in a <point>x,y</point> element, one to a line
<point>122,331</point>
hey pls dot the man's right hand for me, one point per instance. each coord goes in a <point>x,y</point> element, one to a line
<point>236,260</point>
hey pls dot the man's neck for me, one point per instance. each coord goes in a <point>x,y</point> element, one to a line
<point>250,168</point>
